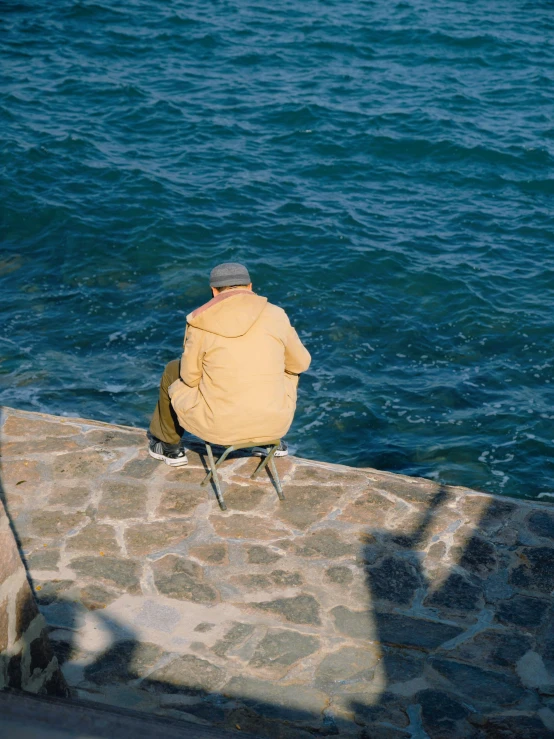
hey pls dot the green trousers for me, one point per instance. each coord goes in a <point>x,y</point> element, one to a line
<point>165,424</point>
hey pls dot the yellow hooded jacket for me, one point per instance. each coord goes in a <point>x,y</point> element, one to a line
<point>239,370</point>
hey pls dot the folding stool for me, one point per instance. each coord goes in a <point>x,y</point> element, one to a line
<point>271,446</point>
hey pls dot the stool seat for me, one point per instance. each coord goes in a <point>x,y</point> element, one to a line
<point>269,462</point>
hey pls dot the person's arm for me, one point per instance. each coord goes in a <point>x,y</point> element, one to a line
<point>193,354</point>
<point>297,357</point>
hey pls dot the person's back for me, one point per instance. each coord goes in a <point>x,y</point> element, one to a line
<point>239,370</point>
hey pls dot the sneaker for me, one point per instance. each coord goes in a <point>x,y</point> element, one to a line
<point>172,454</point>
<point>282,450</point>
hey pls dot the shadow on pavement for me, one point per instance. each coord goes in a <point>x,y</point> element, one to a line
<point>463,643</point>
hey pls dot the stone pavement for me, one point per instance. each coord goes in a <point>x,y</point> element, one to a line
<point>367,604</point>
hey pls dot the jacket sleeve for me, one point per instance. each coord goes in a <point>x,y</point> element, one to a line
<point>193,354</point>
<point>297,357</point>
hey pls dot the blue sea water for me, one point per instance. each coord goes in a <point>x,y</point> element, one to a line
<point>385,170</point>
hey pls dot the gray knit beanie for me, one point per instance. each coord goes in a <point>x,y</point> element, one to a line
<point>229,274</point>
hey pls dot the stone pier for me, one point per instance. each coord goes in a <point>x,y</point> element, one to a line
<point>366,604</point>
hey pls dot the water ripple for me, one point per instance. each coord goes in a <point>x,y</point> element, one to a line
<point>386,171</point>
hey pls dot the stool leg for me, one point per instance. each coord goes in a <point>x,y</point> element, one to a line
<point>264,463</point>
<point>211,464</point>
<point>271,462</point>
<point>215,477</point>
<point>273,469</point>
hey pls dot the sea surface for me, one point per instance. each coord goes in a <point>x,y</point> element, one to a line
<point>384,169</point>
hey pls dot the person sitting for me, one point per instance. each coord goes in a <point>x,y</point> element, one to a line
<point>237,378</point>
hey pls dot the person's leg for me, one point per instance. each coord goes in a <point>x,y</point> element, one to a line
<point>165,424</point>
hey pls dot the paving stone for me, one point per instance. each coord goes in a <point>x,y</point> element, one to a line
<point>393,629</point>
<point>538,571</point>
<point>147,538</point>
<point>54,523</point>
<point>246,498</point>
<point>141,468</point>
<point>262,728</point>
<point>236,635</point>
<point>281,648</point>
<point>324,544</point>
<point>19,473</point>
<point>257,555</point>
<point>213,554</point>
<point>477,556</point>
<point>181,501</point>
<point>302,609</point>
<point>384,707</point>
<point>402,665</point>
<point>286,579</point>
<point>455,594</point>
<point>124,661</point>
<point>79,464</point>
<point>397,630</point>
<point>548,646</point>
<point>190,475</point>
<point>156,615</point>
<point>348,665</point>
<point>28,427</point>
<point>187,674</point>
<point>272,700</point>
<point>435,555</point>
<point>52,444</point>
<point>484,688</point>
<point>237,526</point>
<point>485,513</point>
<point>442,715</point>
<point>113,439</point>
<point>47,592</point>
<point>122,573</point>
<point>245,469</point>
<point>393,579</point>
<point>94,597</point>
<point>356,624</point>
<point>15,504</point>
<point>516,727</point>
<point>371,509</point>
<point>411,490</point>
<point>122,500</point>
<point>73,497</point>
<point>182,579</point>
<point>489,648</point>
<point>496,586</point>
<point>541,523</point>
<point>339,575</point>
<point>43,559</point>
<point>307,473</point>
<point>255,582</point>
<point>305,505</point>
<point>522,611</point>
<point>96,537</point>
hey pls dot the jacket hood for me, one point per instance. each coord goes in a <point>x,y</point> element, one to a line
<point>230,314</point>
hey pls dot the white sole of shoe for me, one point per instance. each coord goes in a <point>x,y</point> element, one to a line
<point>259,452</point>
<point>180,462</point>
